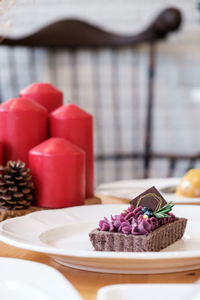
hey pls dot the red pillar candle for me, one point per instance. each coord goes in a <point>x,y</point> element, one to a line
<point>76,125</point>
<point>1,154</point>
<point>23,125</point>
<point>58,170</point>
<point>45,94</point>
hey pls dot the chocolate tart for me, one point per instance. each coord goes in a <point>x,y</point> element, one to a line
<point>155,241</point>
<point>146,225</point>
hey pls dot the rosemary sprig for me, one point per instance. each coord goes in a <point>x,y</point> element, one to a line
<point>163,211</point>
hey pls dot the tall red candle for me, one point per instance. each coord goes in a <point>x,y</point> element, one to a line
<point>58,170</point>
<point>45,94</point>
<point>76,125</point>
<point>23,125</point>
<point>1,154</point>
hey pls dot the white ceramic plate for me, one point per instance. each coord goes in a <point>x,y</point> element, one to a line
<point>23,279</point>
<point>128,189</point>
<point>149,291</point>
<point>63,234</point>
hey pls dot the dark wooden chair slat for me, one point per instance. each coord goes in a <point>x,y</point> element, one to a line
<point>97,94</point>
<point>14,84</point>
<point>31,64</point>
<point>149,118</point>
<point>74,77</point>
<point>116,111</point>
<point>172,165</point>
<point>52,66</point>
<point>192,162</point>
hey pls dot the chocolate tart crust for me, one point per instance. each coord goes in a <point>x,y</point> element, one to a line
<point>157,240</point>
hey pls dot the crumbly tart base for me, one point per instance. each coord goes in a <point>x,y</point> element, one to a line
<point>155,241</point>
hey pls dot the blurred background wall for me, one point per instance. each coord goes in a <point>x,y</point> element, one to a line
<point>177,91</point>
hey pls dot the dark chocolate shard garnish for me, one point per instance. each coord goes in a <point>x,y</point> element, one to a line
<point>150,198</point>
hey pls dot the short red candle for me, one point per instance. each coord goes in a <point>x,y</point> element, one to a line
<point>45,94</point>
<point>76,125</point>
<point>23,125</point>
<point>58,170</point>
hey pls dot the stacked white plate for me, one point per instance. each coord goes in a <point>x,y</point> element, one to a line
<point>128,189</point>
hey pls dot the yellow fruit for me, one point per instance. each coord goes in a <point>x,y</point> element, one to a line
<point>145,217</point>
<point>189,185</point>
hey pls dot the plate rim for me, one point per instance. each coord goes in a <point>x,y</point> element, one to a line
<point>11,262</point>
<point>103,291</point>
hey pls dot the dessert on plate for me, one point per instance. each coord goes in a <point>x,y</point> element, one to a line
<point>146,225</point>
<point>189,185</point>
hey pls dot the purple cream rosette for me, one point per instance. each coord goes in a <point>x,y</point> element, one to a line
<point>132,221</point>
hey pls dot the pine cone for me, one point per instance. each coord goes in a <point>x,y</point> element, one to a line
<point>16,186</point>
